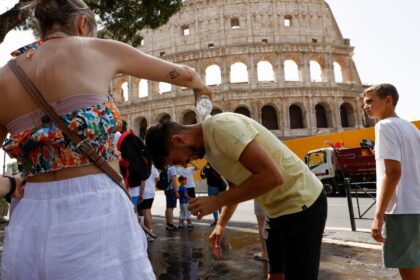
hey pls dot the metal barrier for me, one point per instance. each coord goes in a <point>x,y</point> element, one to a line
<point>357,188</point>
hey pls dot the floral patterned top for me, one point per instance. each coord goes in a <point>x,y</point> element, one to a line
<point>44,148</point>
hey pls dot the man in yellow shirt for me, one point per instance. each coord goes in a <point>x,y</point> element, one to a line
<point>257,165</point>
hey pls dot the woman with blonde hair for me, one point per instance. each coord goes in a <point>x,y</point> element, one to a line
<point>73,222</point>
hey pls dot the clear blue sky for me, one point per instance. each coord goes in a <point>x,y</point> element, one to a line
<point>385,34</point>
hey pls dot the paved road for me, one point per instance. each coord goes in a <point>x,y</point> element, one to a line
<point>338,213</point>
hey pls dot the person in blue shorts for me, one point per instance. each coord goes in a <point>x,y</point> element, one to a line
<point>184,213</point>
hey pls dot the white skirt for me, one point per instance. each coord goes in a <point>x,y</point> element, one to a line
<point>80,228</point>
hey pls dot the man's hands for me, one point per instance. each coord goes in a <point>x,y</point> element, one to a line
<point>214,241</point>
<point>202,206</point>
<point>376,228</point>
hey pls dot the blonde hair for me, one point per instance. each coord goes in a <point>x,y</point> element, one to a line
<point>58,15</point>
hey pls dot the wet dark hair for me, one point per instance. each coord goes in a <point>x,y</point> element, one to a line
<point>59,15</point>
<point>158,141</point>
<point>384,90</point>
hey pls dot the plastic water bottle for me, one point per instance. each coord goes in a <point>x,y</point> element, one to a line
<point>204,105</point>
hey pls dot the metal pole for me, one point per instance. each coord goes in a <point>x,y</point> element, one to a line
<point>350,203</point>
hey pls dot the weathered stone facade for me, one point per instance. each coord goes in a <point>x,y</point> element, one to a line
<point>222,33</point>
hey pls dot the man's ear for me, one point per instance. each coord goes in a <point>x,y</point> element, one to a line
<point>177,139</point>
<point>389,100</point>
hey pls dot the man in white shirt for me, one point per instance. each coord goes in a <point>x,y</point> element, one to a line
<point>188,172</point>
<point>397,150</point>
<point>171,194</point>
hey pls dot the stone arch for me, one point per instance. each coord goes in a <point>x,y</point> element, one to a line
<point>189,117</point>
<point>124,91</point>
<point>347,115</point>
<point>143,88</point>
<point>338,72</point>
<point>315,71</point>
<point>291,70</point>
<point>216,111</point>
<point>243,110</point>
<point>239,73</point>
<point>296,117</point>
<point>346,72</point>
<point>163,117</point>
<point>142,125</point>
<point>323,115</point>
<point>265,71</point>
<point>213,75</point>
<point>164,87</point>
<point>269,117</point>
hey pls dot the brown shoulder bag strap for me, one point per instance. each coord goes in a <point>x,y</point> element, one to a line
<point>81,144</point>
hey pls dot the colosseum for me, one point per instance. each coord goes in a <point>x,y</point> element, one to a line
<point>282,63</point>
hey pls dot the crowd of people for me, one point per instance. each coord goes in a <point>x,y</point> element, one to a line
<point>63,200</point>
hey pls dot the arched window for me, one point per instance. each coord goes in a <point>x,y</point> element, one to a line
<point>265,71</point>
<point>338,72</point>
<point>143,128</point>
<point>243,110</point>
<point>347,115</point>
<point>164,87</point>
<point>216,111</point>
<point>165,117</point>
<point>213,75</point>
<point>291,71</point>
<point>238,73</point>
<point>269,117</point>
<point>189,118</point>
<point>296,118</point>
<point>143,88</point>
<point>316,71</point>
<point>124,91</point>
<point>321,116</point>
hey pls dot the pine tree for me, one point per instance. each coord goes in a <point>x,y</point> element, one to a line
<point>120,20</point>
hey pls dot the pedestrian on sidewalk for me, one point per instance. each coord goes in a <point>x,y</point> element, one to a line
<point>188,172</point>
<point>397,150</point>
<point>260,215</point>
<point>184,213</point>
<point>257,165</point>
<point>215,185</point>
<point>134,167</point>
<point>146,198</point>
<point>171,194</point>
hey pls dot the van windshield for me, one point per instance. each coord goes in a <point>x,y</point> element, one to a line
<point>316,158</point>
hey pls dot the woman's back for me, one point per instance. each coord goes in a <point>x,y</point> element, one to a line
<point>60,67</point>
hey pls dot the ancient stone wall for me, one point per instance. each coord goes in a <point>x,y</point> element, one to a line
<point>291,39</point>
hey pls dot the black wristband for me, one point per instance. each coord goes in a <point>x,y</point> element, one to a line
<point>12,187</point>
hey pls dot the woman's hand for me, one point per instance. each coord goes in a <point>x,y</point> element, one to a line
<point>214,241</point>
<point>20,186</point>
<point>203,91</point>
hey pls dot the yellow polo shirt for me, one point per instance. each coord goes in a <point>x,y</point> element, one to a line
<point>225,137</point>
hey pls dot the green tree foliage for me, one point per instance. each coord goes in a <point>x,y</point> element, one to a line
<point>120,20</point>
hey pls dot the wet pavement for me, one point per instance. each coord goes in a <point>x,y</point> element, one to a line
<point>183,254</point>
